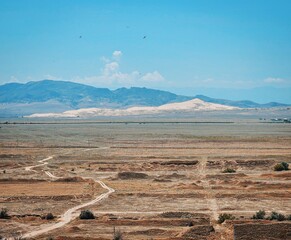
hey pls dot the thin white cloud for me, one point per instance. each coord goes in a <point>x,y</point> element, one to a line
<point>112,76</point>
<point>51,77</point>
<point>117,54</point>
<point>110,68</point>
<point>13,79</point>
<point>154,76</point>
<point>104,59</point>
<point>274,80</point>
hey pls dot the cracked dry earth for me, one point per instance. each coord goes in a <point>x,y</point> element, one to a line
<point>167,178</point>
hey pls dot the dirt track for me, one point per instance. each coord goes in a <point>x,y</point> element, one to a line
<point>71,213</point>
<point>183,173</point>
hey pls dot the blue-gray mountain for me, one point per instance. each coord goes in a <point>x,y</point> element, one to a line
<point>56,96</point>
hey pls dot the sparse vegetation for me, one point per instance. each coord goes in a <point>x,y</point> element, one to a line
<point>117,235</point>
<point>183,183</point>
<point>273,216</point>
<point>49,216</point>
<point>225,216</point>
<point>279,167</point>
<point>259,215</point>
<point>86,214</point>
<point>229,170</point>
<point>132,175</point>
<point>19,238</point>
<point>277,216</point>
<point>283,166</point>
<point>4,213</point>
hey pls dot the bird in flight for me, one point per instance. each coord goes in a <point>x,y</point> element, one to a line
<point>144,37</point>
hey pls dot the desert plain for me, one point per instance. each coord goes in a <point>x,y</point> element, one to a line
<point>147,179</point>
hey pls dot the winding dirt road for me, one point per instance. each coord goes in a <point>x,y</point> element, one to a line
<point>71,213</point>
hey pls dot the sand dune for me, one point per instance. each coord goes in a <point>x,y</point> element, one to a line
<point>188,106</point>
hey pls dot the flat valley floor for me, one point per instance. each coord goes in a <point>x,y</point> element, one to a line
<point>148,180</point>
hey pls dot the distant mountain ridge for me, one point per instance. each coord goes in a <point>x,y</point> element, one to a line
<point>75,94</point>
<point>58,96</point>
<point>242,103</point>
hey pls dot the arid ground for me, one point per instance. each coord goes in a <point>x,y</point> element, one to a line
<point>148,180</point>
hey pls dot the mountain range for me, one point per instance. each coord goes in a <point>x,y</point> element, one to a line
<point>17,99</point>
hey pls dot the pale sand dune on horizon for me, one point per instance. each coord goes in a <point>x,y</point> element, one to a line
<point>187,106</point>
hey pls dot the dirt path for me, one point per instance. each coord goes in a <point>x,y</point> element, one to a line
<point>71,213</point>
<point>210,195</point>
<point>212,203</point>
<point>51,175</point>
<point>43,162</point>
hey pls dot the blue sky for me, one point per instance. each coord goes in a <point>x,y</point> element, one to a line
<point>227,49</point>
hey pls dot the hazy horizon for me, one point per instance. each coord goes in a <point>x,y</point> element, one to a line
<point>256,94</point>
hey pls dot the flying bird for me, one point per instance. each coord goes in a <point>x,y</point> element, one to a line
<point>144,37</point>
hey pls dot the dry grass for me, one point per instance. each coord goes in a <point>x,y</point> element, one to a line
<point>182,167</point>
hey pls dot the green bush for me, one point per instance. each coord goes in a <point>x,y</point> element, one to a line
<point>49,216</point>
<point>283,166</point>
<point>259,215</point>
<point>86,214</point>
<point>225,216</point>
<point>277,216</point>
<point>279,167</point>
<point>190,224</point>
<point>4,213</point>
<point>229,170</point>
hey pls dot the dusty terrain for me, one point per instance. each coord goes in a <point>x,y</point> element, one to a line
<point>161,180</point>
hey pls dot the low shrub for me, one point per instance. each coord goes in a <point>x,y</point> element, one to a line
<point>49,216</point>
<point>229,170</point>
<point>4,213</point>
<point>283,166</point>
<point>131,175</point>
<point>190,224</point>
<point>86,214</point>
<point>279,167</point>
<point>117,235</point>
<point>259,215</point>
<point>277,216</point>
<point>224,216</point>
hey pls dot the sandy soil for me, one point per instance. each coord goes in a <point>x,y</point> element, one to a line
<point>181,168</point>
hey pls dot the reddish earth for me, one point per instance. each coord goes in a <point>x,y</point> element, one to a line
<point>168,180</point>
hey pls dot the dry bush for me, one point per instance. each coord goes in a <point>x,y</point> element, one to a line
<point>224,216</point>
<point>229,170</point>
<point>4,213</point>
<point>259,215</point>
<point>283,166</point>
<point>132,175</point>
<point>86,214</point>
